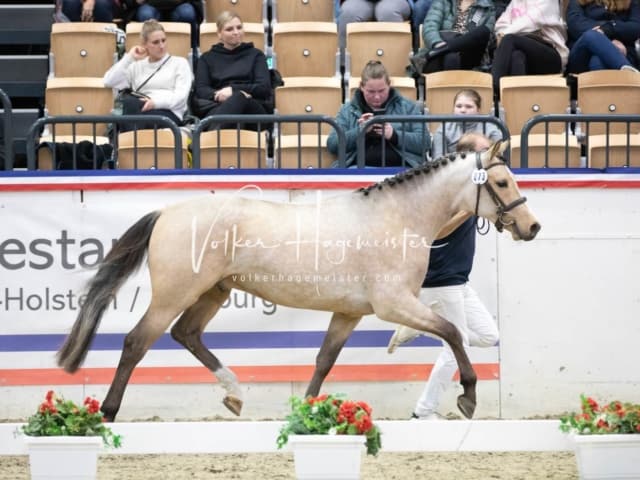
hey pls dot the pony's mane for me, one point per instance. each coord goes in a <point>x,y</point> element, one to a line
<point>408,175</point>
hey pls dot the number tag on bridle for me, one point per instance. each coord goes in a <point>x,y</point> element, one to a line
<point>479,176</point>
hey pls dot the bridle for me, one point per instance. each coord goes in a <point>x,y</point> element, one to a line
<point>501,207</point>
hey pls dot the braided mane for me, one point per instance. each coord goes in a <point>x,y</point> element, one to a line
<point>409,174</point>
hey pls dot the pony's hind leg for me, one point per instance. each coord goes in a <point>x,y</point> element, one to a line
<point>337,335</point>
<point>188,332</point>
<point>152,325</point>
<point>408,310</point>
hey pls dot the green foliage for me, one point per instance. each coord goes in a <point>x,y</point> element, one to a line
<point>59,417</point>
<point>594,419</point>
<point>330,415</point>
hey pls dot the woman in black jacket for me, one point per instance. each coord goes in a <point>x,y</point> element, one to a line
<point>232,77</point>
<point>602,35</point>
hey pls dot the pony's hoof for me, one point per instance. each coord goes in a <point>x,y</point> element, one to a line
<point>466,406</point>
<point>234,404</point>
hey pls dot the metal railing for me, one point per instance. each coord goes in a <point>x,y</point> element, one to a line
<point>580,125</point>
<point>428,119</point>
<point>270,123</point>
<point>34,134</point>
<point>7,131</point>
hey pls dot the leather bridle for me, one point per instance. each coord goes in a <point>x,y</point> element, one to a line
<point>501,207</point>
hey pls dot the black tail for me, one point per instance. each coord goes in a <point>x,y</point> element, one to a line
<point>125,258</point>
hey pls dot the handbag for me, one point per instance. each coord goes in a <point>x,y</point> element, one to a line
<point>130,101</point>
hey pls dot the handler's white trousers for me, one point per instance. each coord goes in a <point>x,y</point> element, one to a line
<point>461,306</point>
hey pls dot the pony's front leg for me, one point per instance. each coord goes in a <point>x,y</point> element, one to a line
<point>410,311</point>
<point>337,335</point>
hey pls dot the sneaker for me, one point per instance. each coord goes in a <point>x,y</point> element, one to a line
<point>629,68</point>
<point>430,417</point>
<point>401,335</point>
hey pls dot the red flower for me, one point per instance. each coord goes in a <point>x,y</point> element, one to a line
<point>93,405</point>
<point>49,396</point>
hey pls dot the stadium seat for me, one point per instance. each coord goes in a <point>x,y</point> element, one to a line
<point>78,96</point>
<point>389,42</point>
<point>613,153</point>
<point>138,149</point>
<point>442,87</point>
<point>302,11</point>
<point>252,11</point>
<point>253,32</point>
<point>306,49</point>
<point>231,148</point>
<point>607,92</point>
<point>82,49</point>
<point>178,37</point>
<point>303,151</point>
<point>524,97</point>
<point>308,95</point>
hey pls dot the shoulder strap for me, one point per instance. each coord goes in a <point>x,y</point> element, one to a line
<point>151,76</point>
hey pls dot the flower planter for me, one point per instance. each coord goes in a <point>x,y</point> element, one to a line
<point>608,456</point>
<point>327,457</point>
<point>68,458</point>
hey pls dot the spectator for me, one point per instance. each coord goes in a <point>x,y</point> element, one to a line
<point>447,291</point>
<point>232,77</point>
<point>466,102</point>
<point>602,35</point>
<point>89,10</point>
<point>163,80</point>
<point>456,36</point>
<point>368,11</point>
<point>419,9</point>
<point>189,11</point>
<point>403,142</point>
<point>531,38</point>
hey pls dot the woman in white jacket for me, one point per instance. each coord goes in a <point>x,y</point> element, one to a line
<point>162,80</point>
<point>531,37</point>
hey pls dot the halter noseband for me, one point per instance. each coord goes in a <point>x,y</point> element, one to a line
<point>501,208</point>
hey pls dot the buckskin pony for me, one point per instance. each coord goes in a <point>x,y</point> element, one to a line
<point>377,238</point>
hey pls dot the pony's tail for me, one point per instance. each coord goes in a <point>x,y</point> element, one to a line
<point>125,258</point>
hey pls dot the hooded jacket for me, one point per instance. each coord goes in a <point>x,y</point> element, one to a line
<point>413,137</point>
<point>243,68</point>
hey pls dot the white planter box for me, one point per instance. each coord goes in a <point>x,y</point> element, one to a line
<point>68,458</point>
<point>327,457</point>
<point>608,456</point>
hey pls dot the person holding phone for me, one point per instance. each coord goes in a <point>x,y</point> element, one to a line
<point>161,81</point>
<point>388,144</point>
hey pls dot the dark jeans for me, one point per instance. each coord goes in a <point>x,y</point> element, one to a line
<point>126,127</point>
<point>185,12</point>
<point>238,104</point>
<point>594,51</point>
<point>523,55</point>
<point>102,10</point>
<point>462,52</point>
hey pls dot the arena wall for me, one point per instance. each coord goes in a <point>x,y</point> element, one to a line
<point>567,304</point>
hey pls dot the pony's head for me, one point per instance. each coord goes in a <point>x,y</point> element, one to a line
<point>498,197</point>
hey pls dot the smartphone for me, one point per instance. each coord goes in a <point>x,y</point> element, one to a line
<point>379,111</point>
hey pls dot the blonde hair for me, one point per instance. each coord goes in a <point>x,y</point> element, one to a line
<point>148,27</point>
<point>224,18</point>
<point>611,5</point>
<point>469,142</point>
<point>374,69</point>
